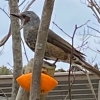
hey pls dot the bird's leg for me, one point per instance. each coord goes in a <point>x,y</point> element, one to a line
<point>55,61</point>
<point>44,71</point>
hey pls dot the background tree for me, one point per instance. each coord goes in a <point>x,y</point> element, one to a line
<point>5,71</point>
<point>60,70</point>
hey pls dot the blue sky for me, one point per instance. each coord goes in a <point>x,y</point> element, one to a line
<point>66,14</point>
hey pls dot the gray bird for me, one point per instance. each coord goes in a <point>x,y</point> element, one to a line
<point>56,47</point>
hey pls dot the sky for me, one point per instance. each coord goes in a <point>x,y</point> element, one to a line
<point>66,14</point>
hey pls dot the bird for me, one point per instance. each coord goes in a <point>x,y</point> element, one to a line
<point>56,47</point>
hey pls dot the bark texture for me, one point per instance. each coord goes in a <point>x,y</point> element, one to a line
<point>40,49</point>
<point>16,46</point>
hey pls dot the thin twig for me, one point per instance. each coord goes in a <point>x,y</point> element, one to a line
<point>83,2</point>
<point>4,94</point>
<point>24,50</point>
<point>93,59</point>
<point>71,57</point>
<point>29,5</point>
<point>5,38</point>
<point>96,41</point>
<point>10,65</point>
<point>93,35</point>
<point>54,21</point>
<point>98,50</point>
<point>61,29</point>
<point>82,45</point>
<point>84,40</point>
<point>95,8</point>
<point>83,24</point>
<point>5,12</point>
<point>93,29</point>
<point>22,3</point>
<point>70,87</point>
<point>25,6</point>
<point>2,50</point>
<point>93,50</point>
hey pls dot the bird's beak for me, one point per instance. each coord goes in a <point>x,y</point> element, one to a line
<point>20,17</point>
<point>16,15</point>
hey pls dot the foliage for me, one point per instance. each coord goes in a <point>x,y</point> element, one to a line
<point>60,70</point>
<point>5,71</point>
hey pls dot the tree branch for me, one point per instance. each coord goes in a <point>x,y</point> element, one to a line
<point>28,6</point>
<point>40,49</point>
<point>22,3</point>
<point>24,50</point>
<point>61,29</point>
<point>16,46</point>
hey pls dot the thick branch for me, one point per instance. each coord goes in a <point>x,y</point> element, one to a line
<point>16,46</point>
<point>40,49</point>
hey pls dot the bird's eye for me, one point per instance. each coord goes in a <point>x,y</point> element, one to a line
<point>24,16</point>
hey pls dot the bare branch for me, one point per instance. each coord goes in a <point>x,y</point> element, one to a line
<point>24,50</point>
<point>98,42</point>
<point>1,51</point>
<point>93,59</point>
<point>4,40</point>
<point>95,8</point>
<point>83,24</point>
<point>93,29</point>
<point>82,45</point>
<point>22,3</point>
<point>84,40</point>
<point>4,94</point>
<point>61,29</point>
<point>71,57</point>
<point>10,65</point>
<point>29,5</point>
<point>70,87</point>
<point>98,50</point>
<point>25,6</point>
<point>93,50</point>
<point>5,12</point>
<point>83,2</point>
<point>94,35</point>
<point>54,21</point>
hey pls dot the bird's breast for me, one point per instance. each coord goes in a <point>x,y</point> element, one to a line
<point>30,36</point>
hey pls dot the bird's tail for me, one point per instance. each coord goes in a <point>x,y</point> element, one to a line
<point>87,66</point>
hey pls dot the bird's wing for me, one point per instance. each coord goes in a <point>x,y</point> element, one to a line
<point>64,45</point>
<point>54,39</point>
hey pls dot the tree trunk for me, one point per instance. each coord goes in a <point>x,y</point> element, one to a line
<point>16,46</point>
<point>40,49</point>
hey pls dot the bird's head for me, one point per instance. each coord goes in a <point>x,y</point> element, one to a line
<point>27,17</point>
